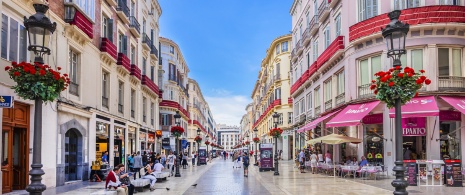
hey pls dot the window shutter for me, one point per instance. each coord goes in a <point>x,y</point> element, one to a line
<point>110,30</point>
<point>374,8</point>
<point>4,36</point>
<point>151,36</point>
<point>160,119</point>
<point>125,45</point>
<point>361,9</point>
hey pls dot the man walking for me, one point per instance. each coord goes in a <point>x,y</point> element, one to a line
<point>137,165</point>
<point>245,160</point>
<point>171,159</point>
<point>302,161</point>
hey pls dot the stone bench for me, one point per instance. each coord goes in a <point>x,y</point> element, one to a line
<point>162,175</point>
<point>104,192</point>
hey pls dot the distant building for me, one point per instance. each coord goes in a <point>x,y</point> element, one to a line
<point>228,136</point>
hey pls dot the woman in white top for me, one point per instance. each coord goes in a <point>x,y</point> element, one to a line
<point>320,157</point>
<point>313,160</point>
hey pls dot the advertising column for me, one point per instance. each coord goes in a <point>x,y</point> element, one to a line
<point>266,157</point>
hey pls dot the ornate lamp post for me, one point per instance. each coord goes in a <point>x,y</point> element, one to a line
<point>40,29</point>
<point>177,118</point>
<point>198,146</point>
<point>394,34</point>
<point>208,154</point>
<point>256,146</point>
<point>275,121</point>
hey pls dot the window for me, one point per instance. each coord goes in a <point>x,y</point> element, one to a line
<point>152,113</point>
<point>289,118</point>
<point>280,119</point>
<point>171,95</point>
<point>367,9</point>
<point>308,60</point>
<point>328,89</point>
<point>308,19</point>
<point>133,103</point>
<point>277,49</point>
<point>404,4</point>
<point>277,93</point>
<point>301,71</point>
<point>152,73</point>
<point>122,43</point>
<point>309,101</point>
<point>133,8</point>
<point>144,24</point>
<point>120,96</point>
<point>300,34</point>
<point>107,28</point>
<point>302,106</point>
<point>340,82</point>
<point>133,55</point>
<point>338,25</point>
<point>14,40</point>
<point>73,73</point>
<point>144,109</point>
<point>144,66</point>
<point>105,85</point>
<point>368,68</point>
<point>448,2</point>
<point>315,7</point>
<point>450,62</point>
<point>87,6</point>
<point>315,49</point>
<point>172,73</point>
<point>165,120</point>
<point>413,58</point>
<point>327,36</point>
<point>317,97</point>
<point>284,46</point>
<point>171,49</point>
<point>278,71</point>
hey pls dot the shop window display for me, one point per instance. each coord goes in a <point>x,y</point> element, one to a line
<point>102,134</point>
<point>374,143</point>
<point>449,140</point>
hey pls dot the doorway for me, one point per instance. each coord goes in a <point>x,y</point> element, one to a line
<point>72,154</point>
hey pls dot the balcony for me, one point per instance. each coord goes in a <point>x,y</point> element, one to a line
<point>300,47</point>
<point>314,25</point>
<point>124,63</point>
<point>333,3</point>
<point>317,110</point>
<point>108,49</point>
<point>364,91</point>
<point>104,102</point>
<point>153,51</point>
<point>111,2</point>
<point>451,83</point>
<point>80,26</point>
<point>333,52</point>
<point>340,99</point>
<point>122,10</point>
<point>323,11</point>
<point>74,88</point>
<point>328,105</point>
<point>136,72</point>
<point>134,26</point>
<point>150,85</point>
<point>306,36</point>
<point>146,42</point>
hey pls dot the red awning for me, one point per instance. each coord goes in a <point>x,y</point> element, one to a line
<point>314,123</point>
<point>352,115</point>
<point>458,102</point>
<point>418,107</point>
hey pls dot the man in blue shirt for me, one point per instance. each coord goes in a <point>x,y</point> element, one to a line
<point>105,157</point>
<point>364,162</point>
<point>302,161</point>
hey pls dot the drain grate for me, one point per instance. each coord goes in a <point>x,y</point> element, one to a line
<point>414,191</point>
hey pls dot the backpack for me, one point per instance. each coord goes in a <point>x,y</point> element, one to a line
<point>246,160</point>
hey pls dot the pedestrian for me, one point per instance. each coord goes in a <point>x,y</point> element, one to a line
<point>144,158</point>
<point>193,158</point>
<point>328,157</point>
<point>245,161</point>
<point>320,157</point>
<point>149,175</point>
<point>171,159</point>
<point>112,182</point>
<point>163,159</point>
<point>313,160</point>
<point>302,161</point>
<point>131,162</point>
<point>280,154</point>
<point>184,161</point>
<point>124,178</point>
<point>137,165</point>
<point>105,157</point>
<point>152,157</point>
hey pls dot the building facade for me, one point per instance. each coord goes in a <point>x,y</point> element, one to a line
<point>174,79</point>
<point>228,136</point>
<point>335,54</point>
<point>200,114</point>
<point>271,94</point>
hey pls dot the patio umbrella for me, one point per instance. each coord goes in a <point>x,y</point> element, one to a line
<point>335,139</point>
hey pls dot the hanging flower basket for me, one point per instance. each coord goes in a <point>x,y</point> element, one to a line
<point>177,131</point>
<point>395,83</point>
<point>207,143</point>
<point>251,152</point>
<point>198,139</point>
<point>276,132</point>
<point>247,142</point>
<point>37,81</point>
<point>256,139</point>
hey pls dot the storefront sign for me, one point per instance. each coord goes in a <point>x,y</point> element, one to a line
<point>165,142</point>
<point>373,119</point>
<point>453,176</point>
<point>414,126</point>
<point>158,133</point>
<point>142,136</point>
<point>448,115</point>
<point>151,138</point>
<point>412,172</point>
<point>6,101</point>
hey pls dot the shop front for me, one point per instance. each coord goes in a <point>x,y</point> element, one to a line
<point>165,144</point>
<point>131,148</point>
<point>102,142</point>
<point>142,139</point>
<point>118,145</point>
<point>374,142</point>
<point>151,141</point>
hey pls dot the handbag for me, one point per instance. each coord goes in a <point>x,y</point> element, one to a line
<point>125,181</point>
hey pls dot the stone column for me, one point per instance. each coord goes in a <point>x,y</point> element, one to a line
<point>432,146</point>
<point>389,148</point>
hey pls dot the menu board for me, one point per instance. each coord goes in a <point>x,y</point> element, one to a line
<point>453,173</point>
<point>412,171</point>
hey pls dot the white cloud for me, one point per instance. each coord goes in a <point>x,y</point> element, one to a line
<point>227,108</point>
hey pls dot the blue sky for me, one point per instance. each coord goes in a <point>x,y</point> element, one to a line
<point>223,43</point>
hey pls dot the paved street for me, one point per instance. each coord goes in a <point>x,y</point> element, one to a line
<point>219,177</point>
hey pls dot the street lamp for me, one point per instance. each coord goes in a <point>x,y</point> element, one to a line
<point>256,146</point>
<point>275,120</point>
<point>394,34</point>
<point>198,146</point>
<point>40,29</point>
<point>208,154</point>
<point>177,118</point>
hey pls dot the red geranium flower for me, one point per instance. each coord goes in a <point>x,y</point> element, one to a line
<point>42,72</point>
<point>422,71</point>
<point>419,81</point>
<point>373,81</point>
<point>376,92</point>
<point>373,87</point>
<point>17,73</point>
<point>400,75</point>
<point>427,81</point>
<point>397,67</point>
<point>391,84</point>
<point>7,68</point>
<point>410,75</point>
<point>422,77</point>
<point>58,68</point>
<point>416,94</point>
